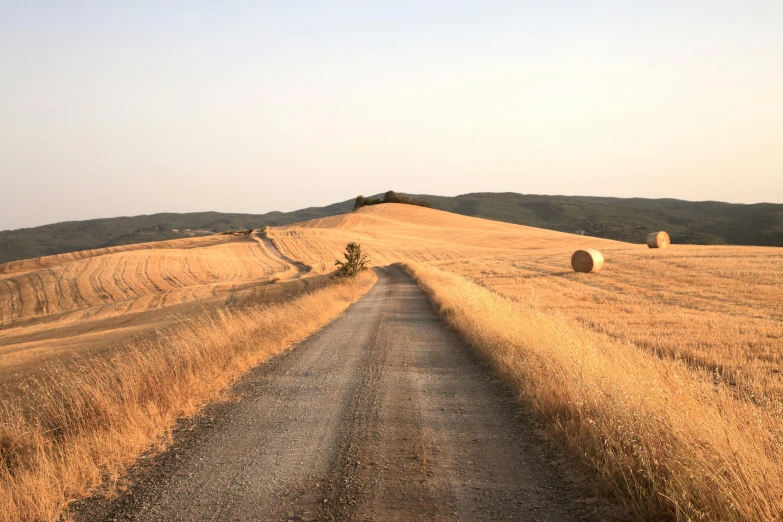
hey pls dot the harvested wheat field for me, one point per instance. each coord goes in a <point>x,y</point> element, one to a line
<point>59,306</point>
<point>56,307</point>
<point>102,351</point>
<point>718,309</point>
<point>662,371</point>
<point>400,233</point>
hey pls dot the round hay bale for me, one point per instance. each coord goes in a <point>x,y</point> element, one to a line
<point>658,239</point>
<point>588,260</point>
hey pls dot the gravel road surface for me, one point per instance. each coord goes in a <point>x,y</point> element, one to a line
<point>382,415</point>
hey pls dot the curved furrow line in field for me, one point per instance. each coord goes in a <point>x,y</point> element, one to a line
<point>12,300</point>
<point>187,268</point>
<point>99,288</point>
<point>191,269</point>
<point>261,257</point>
<point>122,282</point>
<point>57,276</point>
<point>167,275</point>
<point>29,265</point>
<point>111,291</point>
<point>200,268</point>
<point>133,278</point>
<point>65,283</point>
<point>140,275</point>
<point>39,294</point>
<point>79,300</point>
<point>182,266</point>
<point>86,284</point>
<point>147,275</point>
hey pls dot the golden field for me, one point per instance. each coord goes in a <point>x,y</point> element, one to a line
<point>672,441</point>
<point>102,351</point>
<point>59,306</point>
<point>663,371</point>
<point>77,426</point>
<point>393,233</point>
<point>719,309</point>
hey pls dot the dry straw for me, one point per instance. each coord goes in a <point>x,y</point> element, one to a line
<point>80,425</point>
<point>674,444</point>
<point>588,260</point>
<point>658,239</point>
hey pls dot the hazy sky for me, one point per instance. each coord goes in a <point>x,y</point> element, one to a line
<point>123,108</point>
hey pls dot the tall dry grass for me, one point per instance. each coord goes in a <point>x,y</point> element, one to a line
<point>673,443</point>
<point>78,427</point>
<point>718,308</point>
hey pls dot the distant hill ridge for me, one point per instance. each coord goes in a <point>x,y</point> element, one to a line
<point>704,222</point>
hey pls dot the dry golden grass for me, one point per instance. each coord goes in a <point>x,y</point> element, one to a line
<point>663,369</point>
<point>80,425</point>
<point>76,303</point>
<point>720,309</point>
<point>672,442</point>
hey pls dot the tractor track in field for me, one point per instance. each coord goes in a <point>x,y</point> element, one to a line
<point>270,245</point>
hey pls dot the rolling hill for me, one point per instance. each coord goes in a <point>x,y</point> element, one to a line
<point>666,356</point>
<point>83,301</point>
<point>708,223</point>
<point>72,236</point>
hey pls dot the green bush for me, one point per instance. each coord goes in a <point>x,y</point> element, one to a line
<point>355,261</point>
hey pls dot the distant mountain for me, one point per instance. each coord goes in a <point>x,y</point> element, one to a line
<point>695,222</point>
<point>71,236</point>
<point>705,222</point>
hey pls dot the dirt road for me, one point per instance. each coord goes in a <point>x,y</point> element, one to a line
<point>383,415</point>
<point>301,268</point>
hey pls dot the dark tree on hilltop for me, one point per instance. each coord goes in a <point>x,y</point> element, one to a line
<point>389,197</point>
<point>355,261</point>
<point>361,201</point>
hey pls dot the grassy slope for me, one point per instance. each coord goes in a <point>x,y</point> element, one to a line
<point>629,220</point>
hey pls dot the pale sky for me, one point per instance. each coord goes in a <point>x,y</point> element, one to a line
<point>125,108</point>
